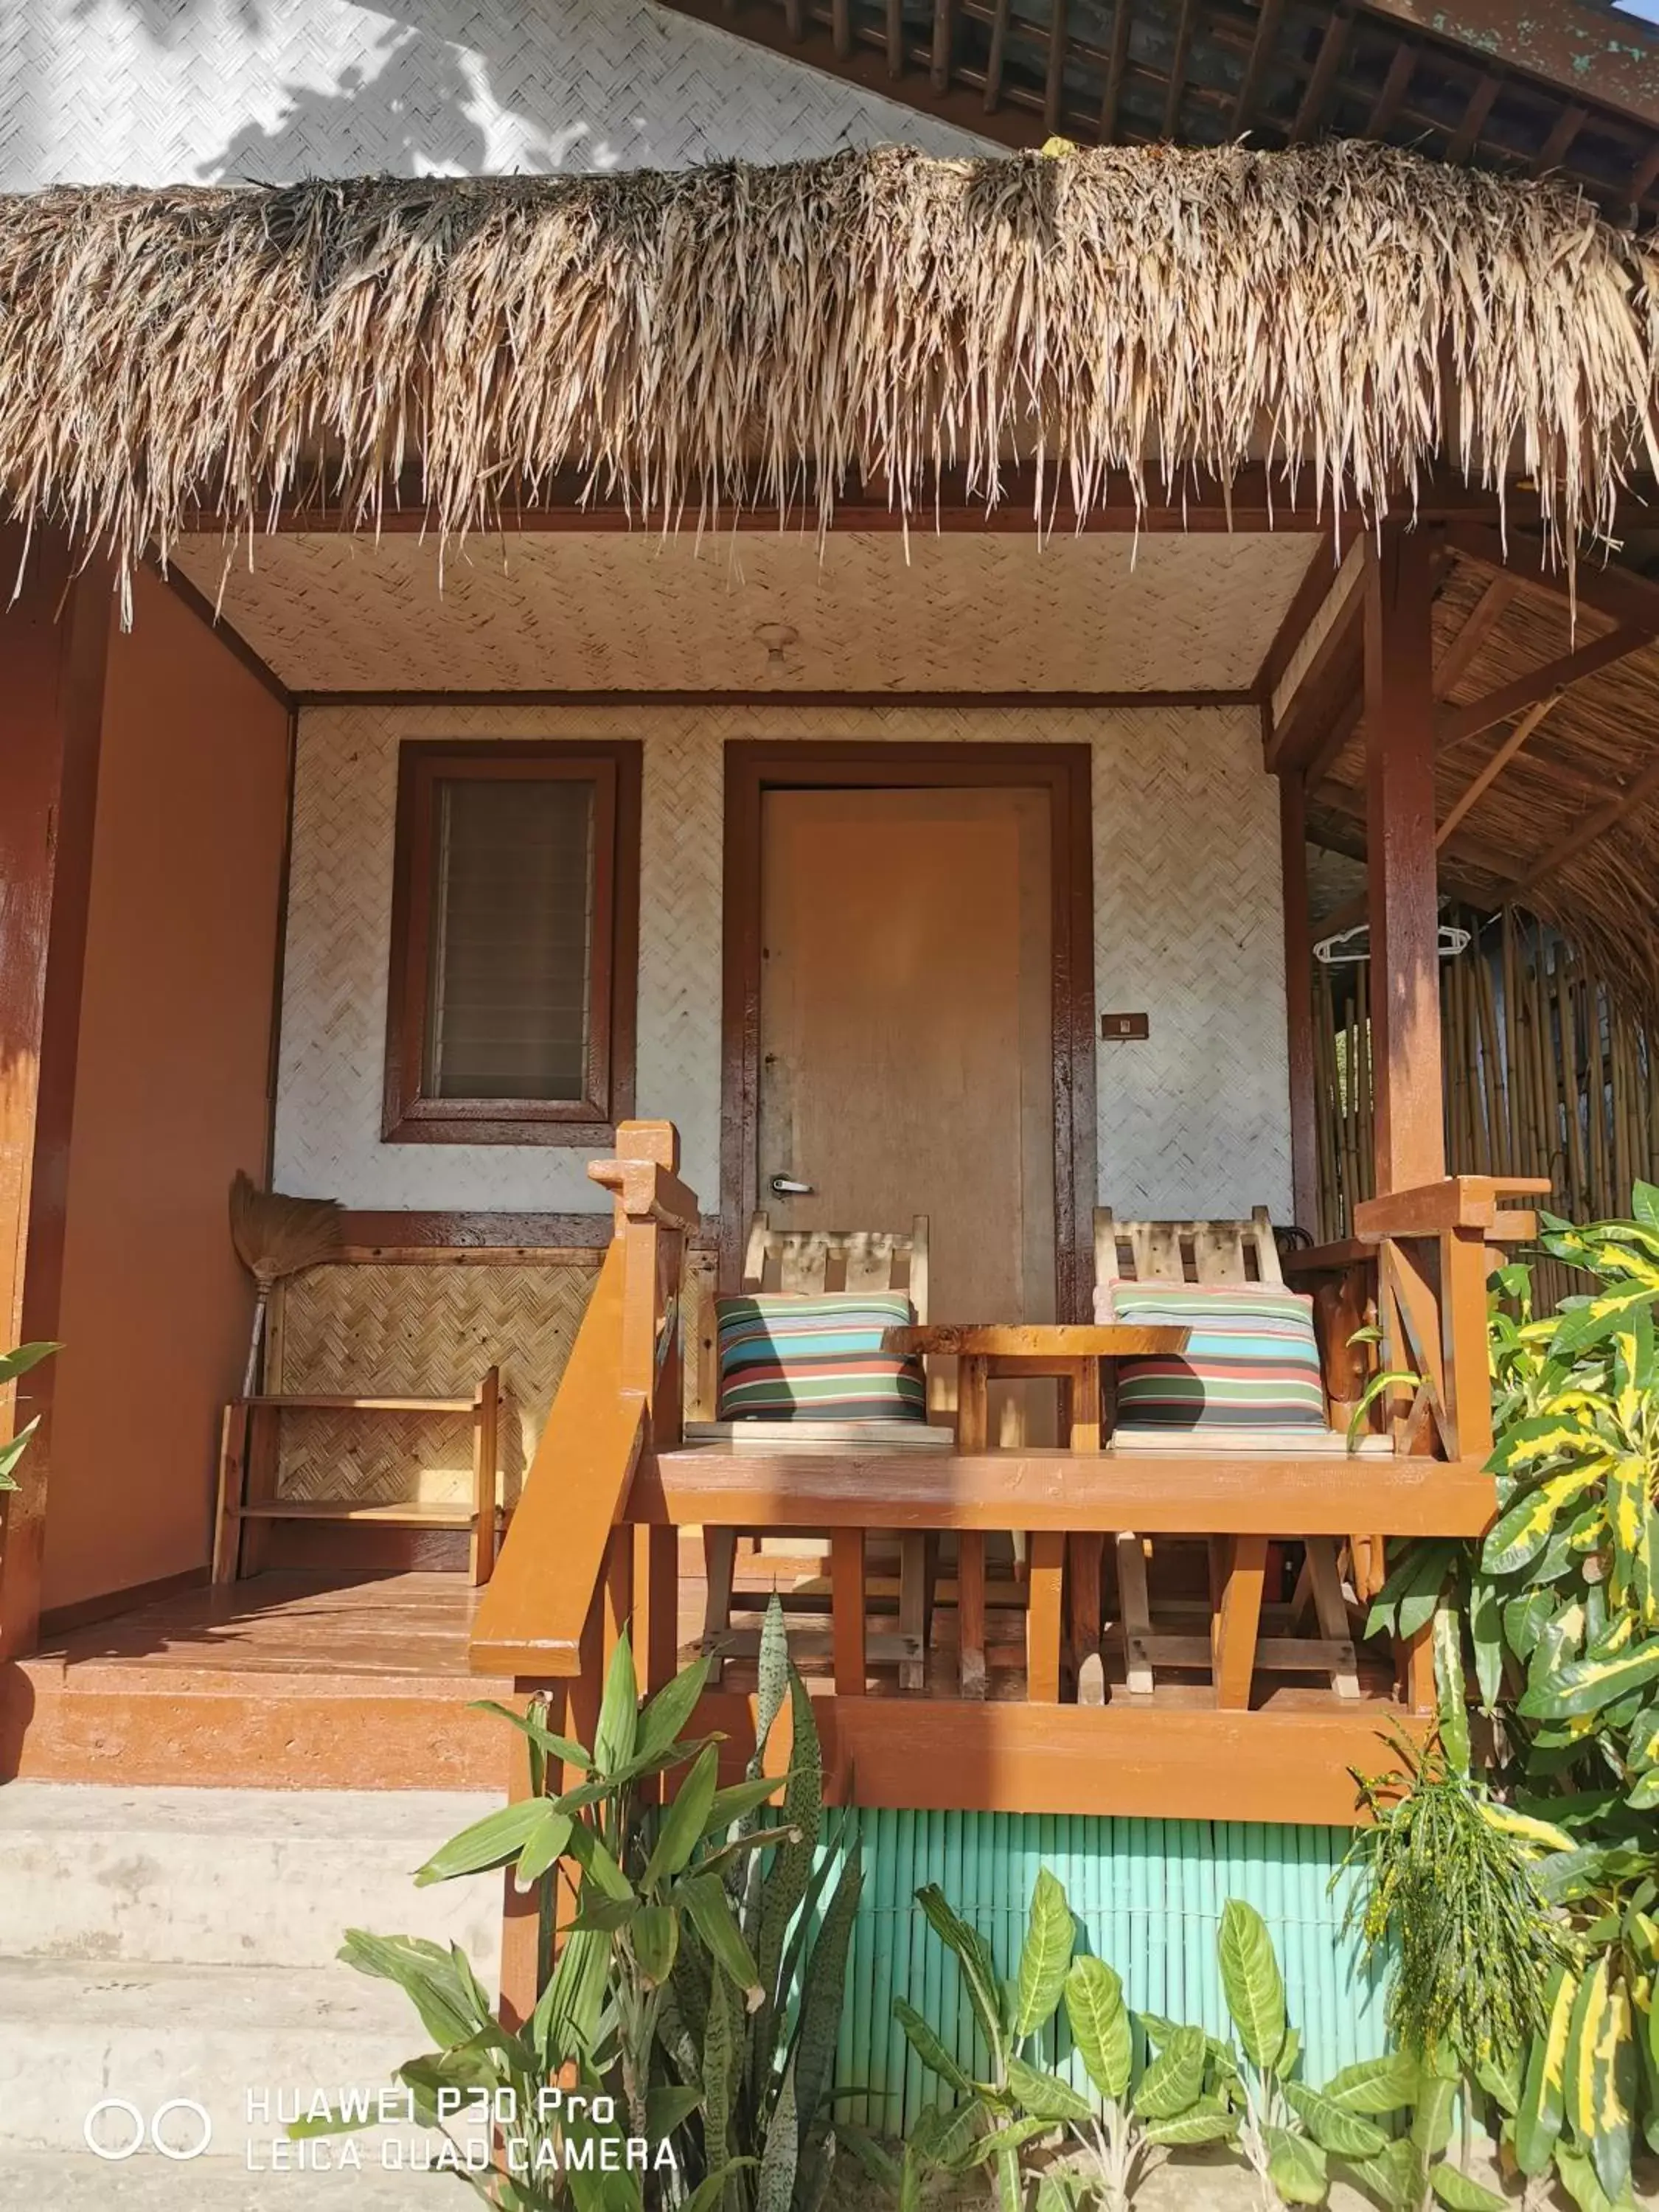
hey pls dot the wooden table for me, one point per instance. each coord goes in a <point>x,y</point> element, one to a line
<point>1073,1353</point>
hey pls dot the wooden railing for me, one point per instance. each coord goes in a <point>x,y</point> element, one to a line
<point>594,1543</point>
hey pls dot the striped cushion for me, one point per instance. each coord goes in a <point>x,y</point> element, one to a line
<point>786,1359</point>
<point>1251,1361</point>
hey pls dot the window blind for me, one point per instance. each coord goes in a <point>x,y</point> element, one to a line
<point>511,943</point>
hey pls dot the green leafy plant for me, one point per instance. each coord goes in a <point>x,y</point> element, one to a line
<point>693,1983</point>
<point>1137,2114</point>
<point>13,1365</point>
<point>1289,2131</point>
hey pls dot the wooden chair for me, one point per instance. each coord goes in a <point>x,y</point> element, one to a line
<point>1222,1253</point>
<point>248,1503</point>
<point>815,1263</point>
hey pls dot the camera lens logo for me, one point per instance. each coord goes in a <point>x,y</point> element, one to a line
<point>115,2130</point>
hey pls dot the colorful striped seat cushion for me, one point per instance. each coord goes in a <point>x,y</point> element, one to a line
<point>788,1358</point>
<point>1251,1360</point>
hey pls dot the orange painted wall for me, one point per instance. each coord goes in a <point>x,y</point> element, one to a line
<point>170,1097</point>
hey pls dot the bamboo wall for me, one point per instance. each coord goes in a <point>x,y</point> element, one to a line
<point>1547,1073</point>
<point>1149,1894</point>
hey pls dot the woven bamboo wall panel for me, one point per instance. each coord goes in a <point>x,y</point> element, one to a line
<point>1188,926</point>
<point>863,612</point>
<point>426,1331</point>
<point>188,91</point>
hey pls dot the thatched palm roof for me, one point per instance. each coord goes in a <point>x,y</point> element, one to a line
<point>767,335</point>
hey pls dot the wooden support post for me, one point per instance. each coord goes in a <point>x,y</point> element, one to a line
<point>848,1602</point>
<point>1298,1001</point>
<point>1042,1618</point>
<point>656,1603</point>
<point>232,1474</point>
<point>1136,1608</point>
<point>1237,1621</point>
<point>524,1924</point>
<point>486,1409</point>
<point>53,645</point>
<point>1083,1585</point>
<point>1404,973</point>
<point>970,1611</point>
<point>916,1604</point>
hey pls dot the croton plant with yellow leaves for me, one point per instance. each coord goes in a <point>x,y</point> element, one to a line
<point>1556,1614</point>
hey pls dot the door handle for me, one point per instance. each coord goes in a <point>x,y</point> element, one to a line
<point>787,1187</point>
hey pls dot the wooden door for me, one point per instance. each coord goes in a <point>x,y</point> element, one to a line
<point>906,1028</point>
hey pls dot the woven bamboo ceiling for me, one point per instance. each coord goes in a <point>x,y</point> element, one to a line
<point>761,612</point>
<point>1568,86</point>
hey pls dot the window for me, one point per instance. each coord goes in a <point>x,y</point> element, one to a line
<point>514,928</point>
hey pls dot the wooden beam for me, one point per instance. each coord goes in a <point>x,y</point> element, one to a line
<point>1467,137</point>
<point>1053,88</point>
<point>1318,580</point>
<point>1116,69</point>
<point>1160,1493</point>
<point>1261,46</point>
<point>54,642</point>
<point>945,36</point>
<point>1315,97</point>
<point>1477,626</point>
<point>1287,1764</point>
<point>1401,860</point>
<point>997,56</point>
<point>1335,744</point>
<point>1631,599</point>
<point>1392,97</point>
<point>226,632</point>
<point>1454,724</point>
<point>1299,1003</point>
<point>1568,124</point>
<point>1239,1621</point>
<point>1494,767</point>
<point>1635,794</point>
<point>1178,64</point>
<point>1302,723</point>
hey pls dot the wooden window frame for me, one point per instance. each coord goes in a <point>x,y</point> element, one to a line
<point>410,1117</point>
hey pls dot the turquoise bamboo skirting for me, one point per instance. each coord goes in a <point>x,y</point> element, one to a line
<point>1149,1895</point>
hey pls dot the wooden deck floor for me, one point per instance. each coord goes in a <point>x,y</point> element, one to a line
<point>300,1680</point>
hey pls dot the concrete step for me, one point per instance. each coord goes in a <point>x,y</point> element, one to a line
<point>222,1877</point>
<point>243,2042</point>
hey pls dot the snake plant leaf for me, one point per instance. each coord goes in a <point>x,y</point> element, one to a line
<point>1250,1981</point>
<point>814,2055</point>
<point>978,1972</point>
<point>682,1824</point>
<point>1045,2096</point>
<point>668,2107</point>
<point>1375,2086</point>
<point>773,1909</point>
<point>1050,1935</point>
<point>1525,1528</point>
<point>491,1842</point>
<point>669,1712</point>
<point>1099,2021</point>
<point>1344,2134</point>
<point>1295,2166</point>
<point>655,1936</point>
<point>774,2185</point>
<point>771,1678</point>
<point>719,2068</point>
<point>1175,2079</point>
<point>1584,1686</point>
<point>1394,2177</point>
<point>705,1900</point>
<point>1203,2122</point>
<point>1453,2188</point>
<point>619,1710</point>
<point>545,1848</point>
<point>928,2048</point>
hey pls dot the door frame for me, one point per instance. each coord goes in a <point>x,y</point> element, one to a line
<point>756,766</point>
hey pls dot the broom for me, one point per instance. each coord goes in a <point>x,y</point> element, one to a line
<point>274,1236</point>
